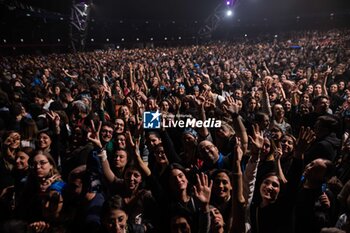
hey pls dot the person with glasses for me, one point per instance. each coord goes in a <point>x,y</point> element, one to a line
<point>212,158</point>
<point>42,200</point>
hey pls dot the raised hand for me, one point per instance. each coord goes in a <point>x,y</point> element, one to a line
<point>94,135</point>
<point>257,138</point>
<point>238,150</point>
<point>202,189</point>
<point>54,117</point>
<point>324,200</point>
<point>305,139</point>
<point>230,105</point>
<point>48,182</point>
<point>39,226</point>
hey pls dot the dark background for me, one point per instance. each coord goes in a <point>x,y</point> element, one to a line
<point>157,19</point>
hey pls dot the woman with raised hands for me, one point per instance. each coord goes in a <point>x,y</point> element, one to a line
<point>140,205</point>
<point>42,199</point>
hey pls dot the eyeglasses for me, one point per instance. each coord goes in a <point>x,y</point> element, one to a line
<point>107,131</point>
<point>41,163</point>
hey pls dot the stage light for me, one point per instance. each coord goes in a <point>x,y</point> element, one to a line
<point>123,39</point>
<point>41,40</point>
<point>245,35</point>
<point>179,37</point>
<point>58,40</point>
<point>151,39</point>
<point>276,36</point>
<point>228,12</point>
<point>173,22</point>
<point>21,40</point>
<point>165,38</point>
<point>28,15</point>
<point>121,21</point>
<point>92,40</point>
<point>61,18</point>
<point>4,40</point>
<point>227,3</point>
<point>137,39</point>
<point>118,46</point>
<point>146,22</point>
<point>107,39</point>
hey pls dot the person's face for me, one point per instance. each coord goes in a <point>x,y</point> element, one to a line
<point>315,170</point>
<point>106,134</point>
<point>151,104</point>
<point>209,153</point>
<point>44,141</point>
<point>305,99</point>
<point>273,96</point>
<point>318,89</point>
<point>57,90</point>
<point>13,141</point>
<point>75,187</point>
<point>252,104</point>
<point>119,126</point>
<point>322,105</point>
<point>269,189</point>
<point>334,88</point>
<point>124,111</point>
<point>52,204</point>
<point>287,144</point>
<point>265,122</point>
<point>276,133</point>
<point>117,221</point>
<point>341,86</point>
<point>222,187</point>
<point>304,109</point>
<point>154,140</point>
<point>180,225</point>
<point>38,101</point>
<point>216,219</point>
<point>238,94</point>
<point>42,166</point>
<point>178,180</point>
<point>189,139</point>
<point>120,159</point>
<point>132,179</point>
<point>310,89</point>
<point>278,110</point>
<point>266,146</point>
<point>181,91</point>
<point>165,106</point>
<point>128,101</point>
<point>160,155</point>
<point>288,106</point>
<point>221,86</point>
<point>22,161</point>
<point>223,132</point>
<point>121,141</point>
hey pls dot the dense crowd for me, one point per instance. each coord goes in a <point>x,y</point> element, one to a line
<point>77,157</point>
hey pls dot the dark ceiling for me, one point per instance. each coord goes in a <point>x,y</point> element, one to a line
<point>196,9</point>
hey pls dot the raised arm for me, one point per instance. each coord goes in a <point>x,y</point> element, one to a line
<point>94,137</point>
<point>238,201</point>
<point>232,108</point>
<point>202,191</point>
